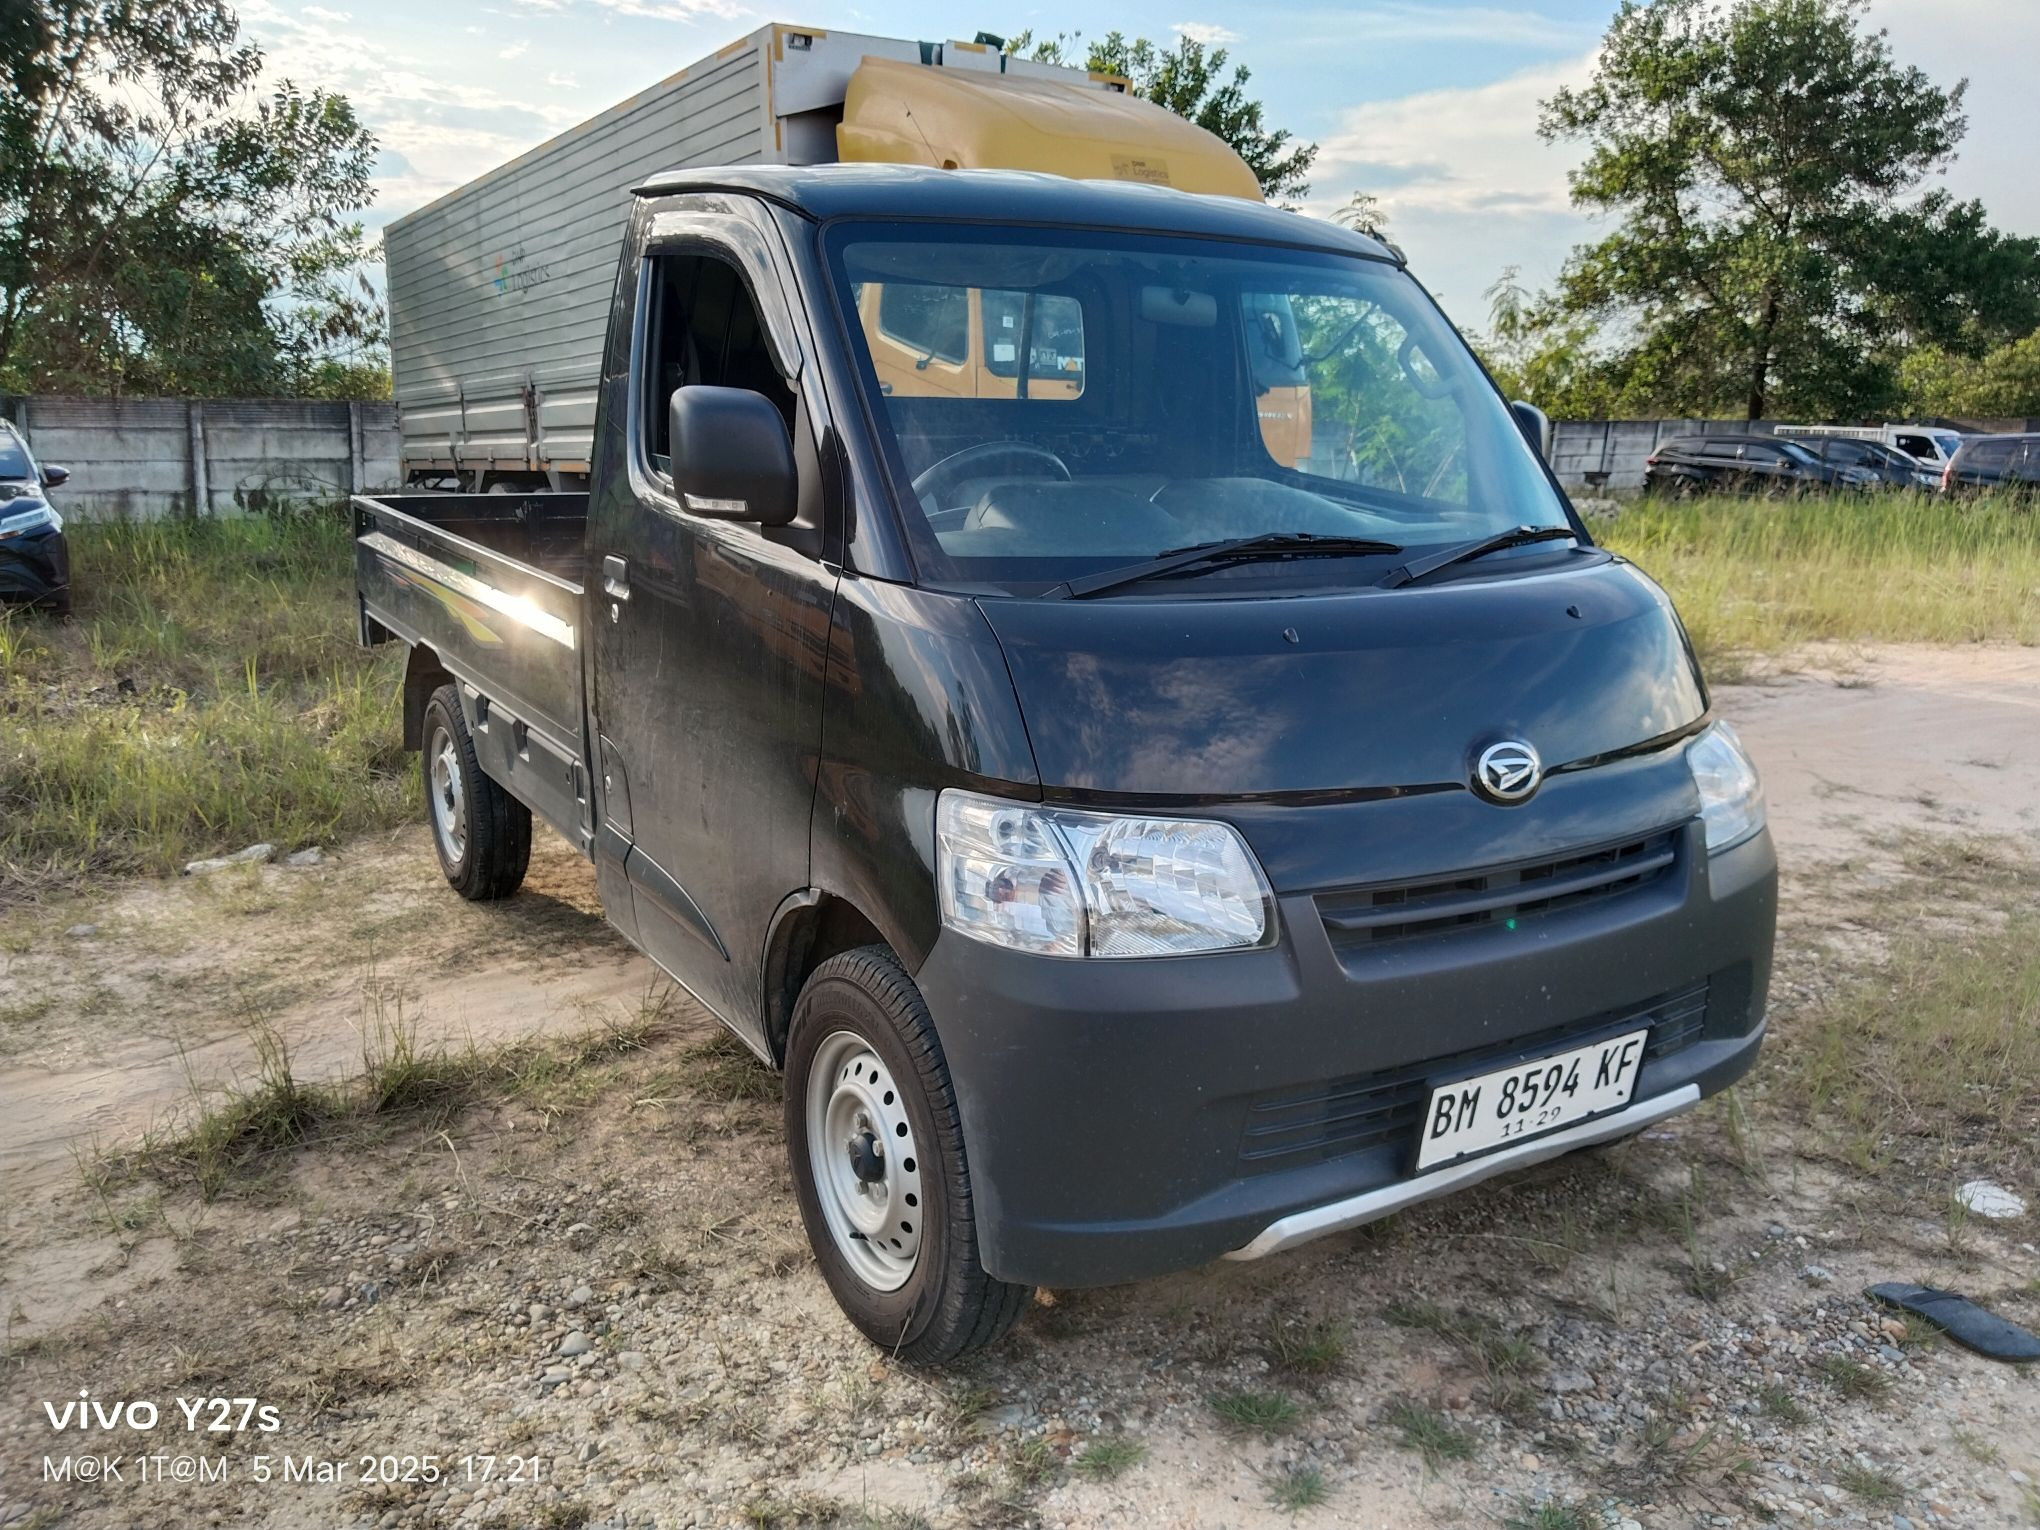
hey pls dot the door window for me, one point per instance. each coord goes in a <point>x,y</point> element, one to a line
<point>704,328</point>
<point>932,320</point>
<point>1054,335</point>
<point>1921,447</point>
<point>977,334</point>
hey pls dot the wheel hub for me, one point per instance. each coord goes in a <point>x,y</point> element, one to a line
<point>448,801</point>
<point>867,1158</point>
<point>865,1161</point>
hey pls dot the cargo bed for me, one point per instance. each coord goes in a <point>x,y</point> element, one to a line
<point>492,584</point>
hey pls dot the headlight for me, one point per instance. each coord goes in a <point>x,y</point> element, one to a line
<point>30,520</point>
<point>1065,883</point>
<point>1731,796</point>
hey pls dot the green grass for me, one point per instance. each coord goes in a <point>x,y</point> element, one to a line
<point>1936,1059</point>
<point>1297,1488</point>
<point>1308,1349</point>
<point>723,1069</point>
<point>1873,1487</point>
<point>1104,1459</point>
<point>1268,1413</point>
<point>1855,1380</point>
<point>1033,1461</point>
<point>1758,577</point>
<point>1428,1432</point>
<point>1552,1514</point>
<point>231,1137</point>
<point>1779,1405</point>
<point>208,694</point>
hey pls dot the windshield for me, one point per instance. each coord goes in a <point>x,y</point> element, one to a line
<point>1174,392</point>
<point>13,460</point>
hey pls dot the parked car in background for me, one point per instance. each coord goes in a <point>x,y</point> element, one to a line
<point>1891,466</point>
<point>35,562</point>
<point>1995,462</point>
<point>1746,465</point>
<point>1932,445</point>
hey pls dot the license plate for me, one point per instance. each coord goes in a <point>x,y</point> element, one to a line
<point>1529,1099</point>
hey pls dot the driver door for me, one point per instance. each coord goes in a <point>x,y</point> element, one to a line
<point>708,636</point>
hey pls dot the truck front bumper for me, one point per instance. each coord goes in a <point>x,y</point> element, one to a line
<point>1124,1119</point>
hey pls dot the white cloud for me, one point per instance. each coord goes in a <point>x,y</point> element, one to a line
<point>1468,187</point>
<point>1468,150</point>
<point>439,130</point>
<point>516,50</point>
<point>560,79</point>
<point>1993,46</point>
<point>1210,33</point>
<point>1465,182</point>
<point>320,13</point>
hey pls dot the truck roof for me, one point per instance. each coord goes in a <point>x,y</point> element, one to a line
<point>823,192</point>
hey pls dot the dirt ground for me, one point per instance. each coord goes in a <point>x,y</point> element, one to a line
<point>602,1272</point>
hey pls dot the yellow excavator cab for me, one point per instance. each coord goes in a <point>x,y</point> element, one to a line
<point>956,119</point>
<point>896,112</point>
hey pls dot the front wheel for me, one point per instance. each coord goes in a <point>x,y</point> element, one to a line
<point>482,833</point>
<point>877,1152</point>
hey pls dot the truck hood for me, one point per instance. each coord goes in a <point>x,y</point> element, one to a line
<point>1355,693</point>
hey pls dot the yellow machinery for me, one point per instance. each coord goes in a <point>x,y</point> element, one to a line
<point>954,119</point>
<point>897,112</point>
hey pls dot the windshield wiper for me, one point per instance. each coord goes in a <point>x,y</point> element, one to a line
<point>1278,544</point>
<point>1465,552</point>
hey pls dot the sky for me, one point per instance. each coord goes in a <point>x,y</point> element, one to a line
<point>1429,105</point>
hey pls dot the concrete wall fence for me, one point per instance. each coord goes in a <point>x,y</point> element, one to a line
<point>1598,456</point>
<point>147,457</point>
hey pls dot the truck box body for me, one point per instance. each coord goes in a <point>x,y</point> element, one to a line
<point>499,291</point>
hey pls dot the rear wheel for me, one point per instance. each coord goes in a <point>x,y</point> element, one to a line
<point>482,833</point>
<point>877,1152</point>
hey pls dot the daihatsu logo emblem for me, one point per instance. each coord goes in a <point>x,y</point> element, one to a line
<point>1508,771</point>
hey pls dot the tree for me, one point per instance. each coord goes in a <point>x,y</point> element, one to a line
<point>162,227</point>
<point>2003,383</point>
<point>1775,253</point>
<point>1533,355</point>
<point>1189,79</point>
<point>1364,214</point>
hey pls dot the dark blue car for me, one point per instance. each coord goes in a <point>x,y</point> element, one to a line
<point>35,562</point>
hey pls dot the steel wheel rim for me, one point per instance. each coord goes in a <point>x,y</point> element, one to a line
<point>449,801</point>
<point>864,1161</point>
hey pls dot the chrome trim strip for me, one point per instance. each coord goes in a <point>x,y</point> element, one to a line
<point>1302,1226</point>
<point>516,607</point>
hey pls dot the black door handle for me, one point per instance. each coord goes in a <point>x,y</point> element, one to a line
<point>615,578</point>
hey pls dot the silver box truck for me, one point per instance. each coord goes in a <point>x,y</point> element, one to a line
<point>499,291</point>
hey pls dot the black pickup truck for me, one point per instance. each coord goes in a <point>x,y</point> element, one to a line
<point>1134,849</point>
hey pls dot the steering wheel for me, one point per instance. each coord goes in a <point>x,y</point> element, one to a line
<point>938,476</point>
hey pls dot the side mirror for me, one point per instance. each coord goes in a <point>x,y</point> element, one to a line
<point>732,456</point>
<point>55,477</point>
<point>1535,425</point>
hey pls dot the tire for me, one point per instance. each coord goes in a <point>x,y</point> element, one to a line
<point>862,1056</point>
<point>481,832</point>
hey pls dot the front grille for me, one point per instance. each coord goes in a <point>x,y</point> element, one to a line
<point>1347,1115</point>
<point>1505,895</point>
